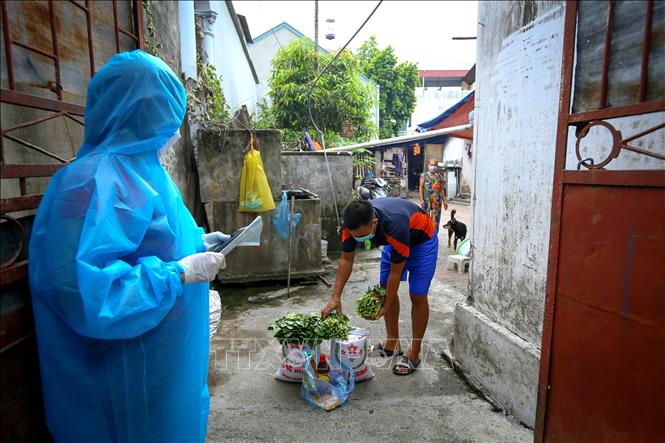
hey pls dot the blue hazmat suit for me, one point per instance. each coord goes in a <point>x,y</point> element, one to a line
<point>123,344</point>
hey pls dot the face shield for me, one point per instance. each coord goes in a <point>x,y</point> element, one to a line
<point>168,145</point>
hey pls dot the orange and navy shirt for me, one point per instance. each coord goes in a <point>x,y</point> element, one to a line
<point>402,225</point>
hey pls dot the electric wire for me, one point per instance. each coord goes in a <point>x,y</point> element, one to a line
<point>311,116</point>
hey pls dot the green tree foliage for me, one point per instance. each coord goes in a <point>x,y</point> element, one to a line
<point>398,82</point>
<point>339,97</point>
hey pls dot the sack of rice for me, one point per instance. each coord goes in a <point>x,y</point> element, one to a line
<point>294,358</point>
<point>352,352</point>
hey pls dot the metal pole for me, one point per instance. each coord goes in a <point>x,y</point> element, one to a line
<point>316,22</point>
<point>288,277</point>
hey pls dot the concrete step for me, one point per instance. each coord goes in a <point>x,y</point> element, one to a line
<point>460,201</point>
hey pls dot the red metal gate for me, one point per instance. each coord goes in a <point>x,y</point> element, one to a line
<point>602,372</point>
<point>50,49</point>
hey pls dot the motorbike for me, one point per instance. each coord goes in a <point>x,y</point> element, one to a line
<point>374,187</point>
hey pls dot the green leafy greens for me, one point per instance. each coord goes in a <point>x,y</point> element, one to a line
<point>337,328</point>
<point>369,305</point>
<point>310,329</point>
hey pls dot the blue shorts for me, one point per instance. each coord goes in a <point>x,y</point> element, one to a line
<point>420,265</point>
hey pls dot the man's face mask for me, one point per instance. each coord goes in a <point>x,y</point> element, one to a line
<point>170,142</point>
<point>369,236</point>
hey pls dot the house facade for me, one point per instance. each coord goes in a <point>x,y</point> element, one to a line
<point>439,89</point>
<point>224,40</point>
<point>456,151</point>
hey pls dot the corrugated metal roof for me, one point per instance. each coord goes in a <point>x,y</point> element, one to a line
<point>434,136</point>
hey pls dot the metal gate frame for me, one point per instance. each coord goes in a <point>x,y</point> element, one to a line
<point>11,271</point>
<point>595,174</point>
<point>24,420</point>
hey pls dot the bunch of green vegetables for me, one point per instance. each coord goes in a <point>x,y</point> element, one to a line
<point>309,329</point>
<point>369,305</point>
<point>337,327</point>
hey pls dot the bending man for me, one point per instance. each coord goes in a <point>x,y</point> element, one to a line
<point>411,246</point>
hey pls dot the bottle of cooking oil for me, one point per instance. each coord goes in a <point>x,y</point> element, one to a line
<point>323,369</point>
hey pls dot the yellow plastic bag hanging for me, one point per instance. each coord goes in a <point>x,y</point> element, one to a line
<point>255,194</point>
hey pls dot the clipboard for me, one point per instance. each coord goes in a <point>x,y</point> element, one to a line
<point>250,235</point>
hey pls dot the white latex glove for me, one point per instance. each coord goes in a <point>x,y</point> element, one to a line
<point>202,267</point>
<point>210,240</point>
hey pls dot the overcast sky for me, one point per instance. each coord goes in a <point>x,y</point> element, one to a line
<point>420,31</point>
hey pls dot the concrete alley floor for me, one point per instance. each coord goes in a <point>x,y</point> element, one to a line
<point>432,404</point>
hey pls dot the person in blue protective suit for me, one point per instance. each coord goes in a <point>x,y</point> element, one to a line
<point>119,272</point>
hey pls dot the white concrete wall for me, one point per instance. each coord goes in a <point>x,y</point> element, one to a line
<point>467,169</point>
<point>517,98</point>
<point>230,61</point>
<point>517,105</point>
<point>187,26</point>
<point>453,149</point>
<point>497,336</point>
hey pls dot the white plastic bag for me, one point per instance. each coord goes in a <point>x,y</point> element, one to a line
<point>215,312</point>
<point>293,361</point>
<point>352,352</point>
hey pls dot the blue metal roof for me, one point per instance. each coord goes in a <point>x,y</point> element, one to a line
<point>299,34</point>
<point>441,117</point>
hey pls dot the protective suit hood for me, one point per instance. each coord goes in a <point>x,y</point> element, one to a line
<point>135,103</point>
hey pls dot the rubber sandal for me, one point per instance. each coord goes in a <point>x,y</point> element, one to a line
<point>378,351</point>
<point>404,362</point>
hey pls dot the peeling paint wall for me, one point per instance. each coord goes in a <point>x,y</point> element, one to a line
<point>519,70</point>
<point>517,97</point>
<point>29,23</point>
<point>498,331</point>
<point>178,161</point>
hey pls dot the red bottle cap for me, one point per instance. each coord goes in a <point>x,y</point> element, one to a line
<point>322,358</point>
